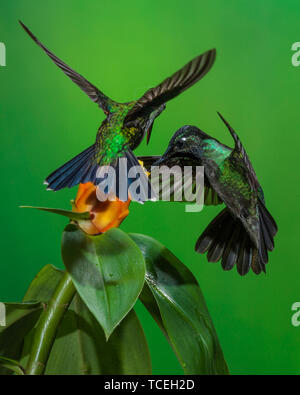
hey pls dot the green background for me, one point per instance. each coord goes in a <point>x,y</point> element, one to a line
<point>125,47</point>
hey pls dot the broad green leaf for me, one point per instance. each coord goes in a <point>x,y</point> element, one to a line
<point>43,284</point>
<point>173,297</point>
<point>66,213</point>
<point>108,272</point>
<point>12,365</point>
<point>81,347</point>
<point>20,319</point>
<point>41,288</point>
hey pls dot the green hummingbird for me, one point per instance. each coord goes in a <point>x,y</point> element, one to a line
<point>244,231</point>
<point>125,124</point>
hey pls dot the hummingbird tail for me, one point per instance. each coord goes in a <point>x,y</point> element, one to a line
<point>80,169</point>
<point>268,230</point>
<point>226,239</point>
<point>127,174</point>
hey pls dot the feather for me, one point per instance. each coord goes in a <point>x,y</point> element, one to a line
<point>223,231</point>
<point>245,256</point>
<point>174,85</point>
<point>252,179</point>
<point>204,241</point>
<point>140,194</point>
<point>94,93</point>
<point>231,251</point>
<point>70,174</point>
<point>267,218</point>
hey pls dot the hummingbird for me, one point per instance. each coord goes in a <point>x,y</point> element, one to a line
<point>243,232</point>
<point>125,124</point>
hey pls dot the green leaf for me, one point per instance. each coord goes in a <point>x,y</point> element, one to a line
<point>20,319</point>
<point>173,297</point>
<point>80,346</point>
<point>66,213</point>
<point>41,288</point>
<point>12,365</point>
<point>108,272</point>
<point>43,284</point>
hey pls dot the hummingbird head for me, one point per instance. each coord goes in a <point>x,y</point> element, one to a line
<point>184,145</point>
<point>251,224</point>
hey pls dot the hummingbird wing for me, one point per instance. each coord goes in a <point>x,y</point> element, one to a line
<point>230,190</point>
<point>226,237</point>
<point>83,168</point>
<point>211,197</point>
<point>174,85</point>
<point>94,93</point>
<point>240,151</point>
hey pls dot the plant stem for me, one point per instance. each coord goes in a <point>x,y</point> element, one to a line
<point>49,321</point>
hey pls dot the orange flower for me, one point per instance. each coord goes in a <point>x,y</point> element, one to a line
<point>104,215</point>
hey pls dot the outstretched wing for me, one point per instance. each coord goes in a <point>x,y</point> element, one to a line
<point>211,197</point>
<point>240,151</point>
<point>174,85</point>
<point>95,94</point>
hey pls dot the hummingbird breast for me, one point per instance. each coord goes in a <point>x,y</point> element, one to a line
<point>134,135</point>
<point>113,138</point>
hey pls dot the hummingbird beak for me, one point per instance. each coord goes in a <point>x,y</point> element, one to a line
<point>160,161</point>
<point>170,157</point>
<point>152,117</point>
<point>164,159</point>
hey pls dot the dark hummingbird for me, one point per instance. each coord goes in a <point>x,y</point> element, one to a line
<point>125,124</point>
<point>244,231</point>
